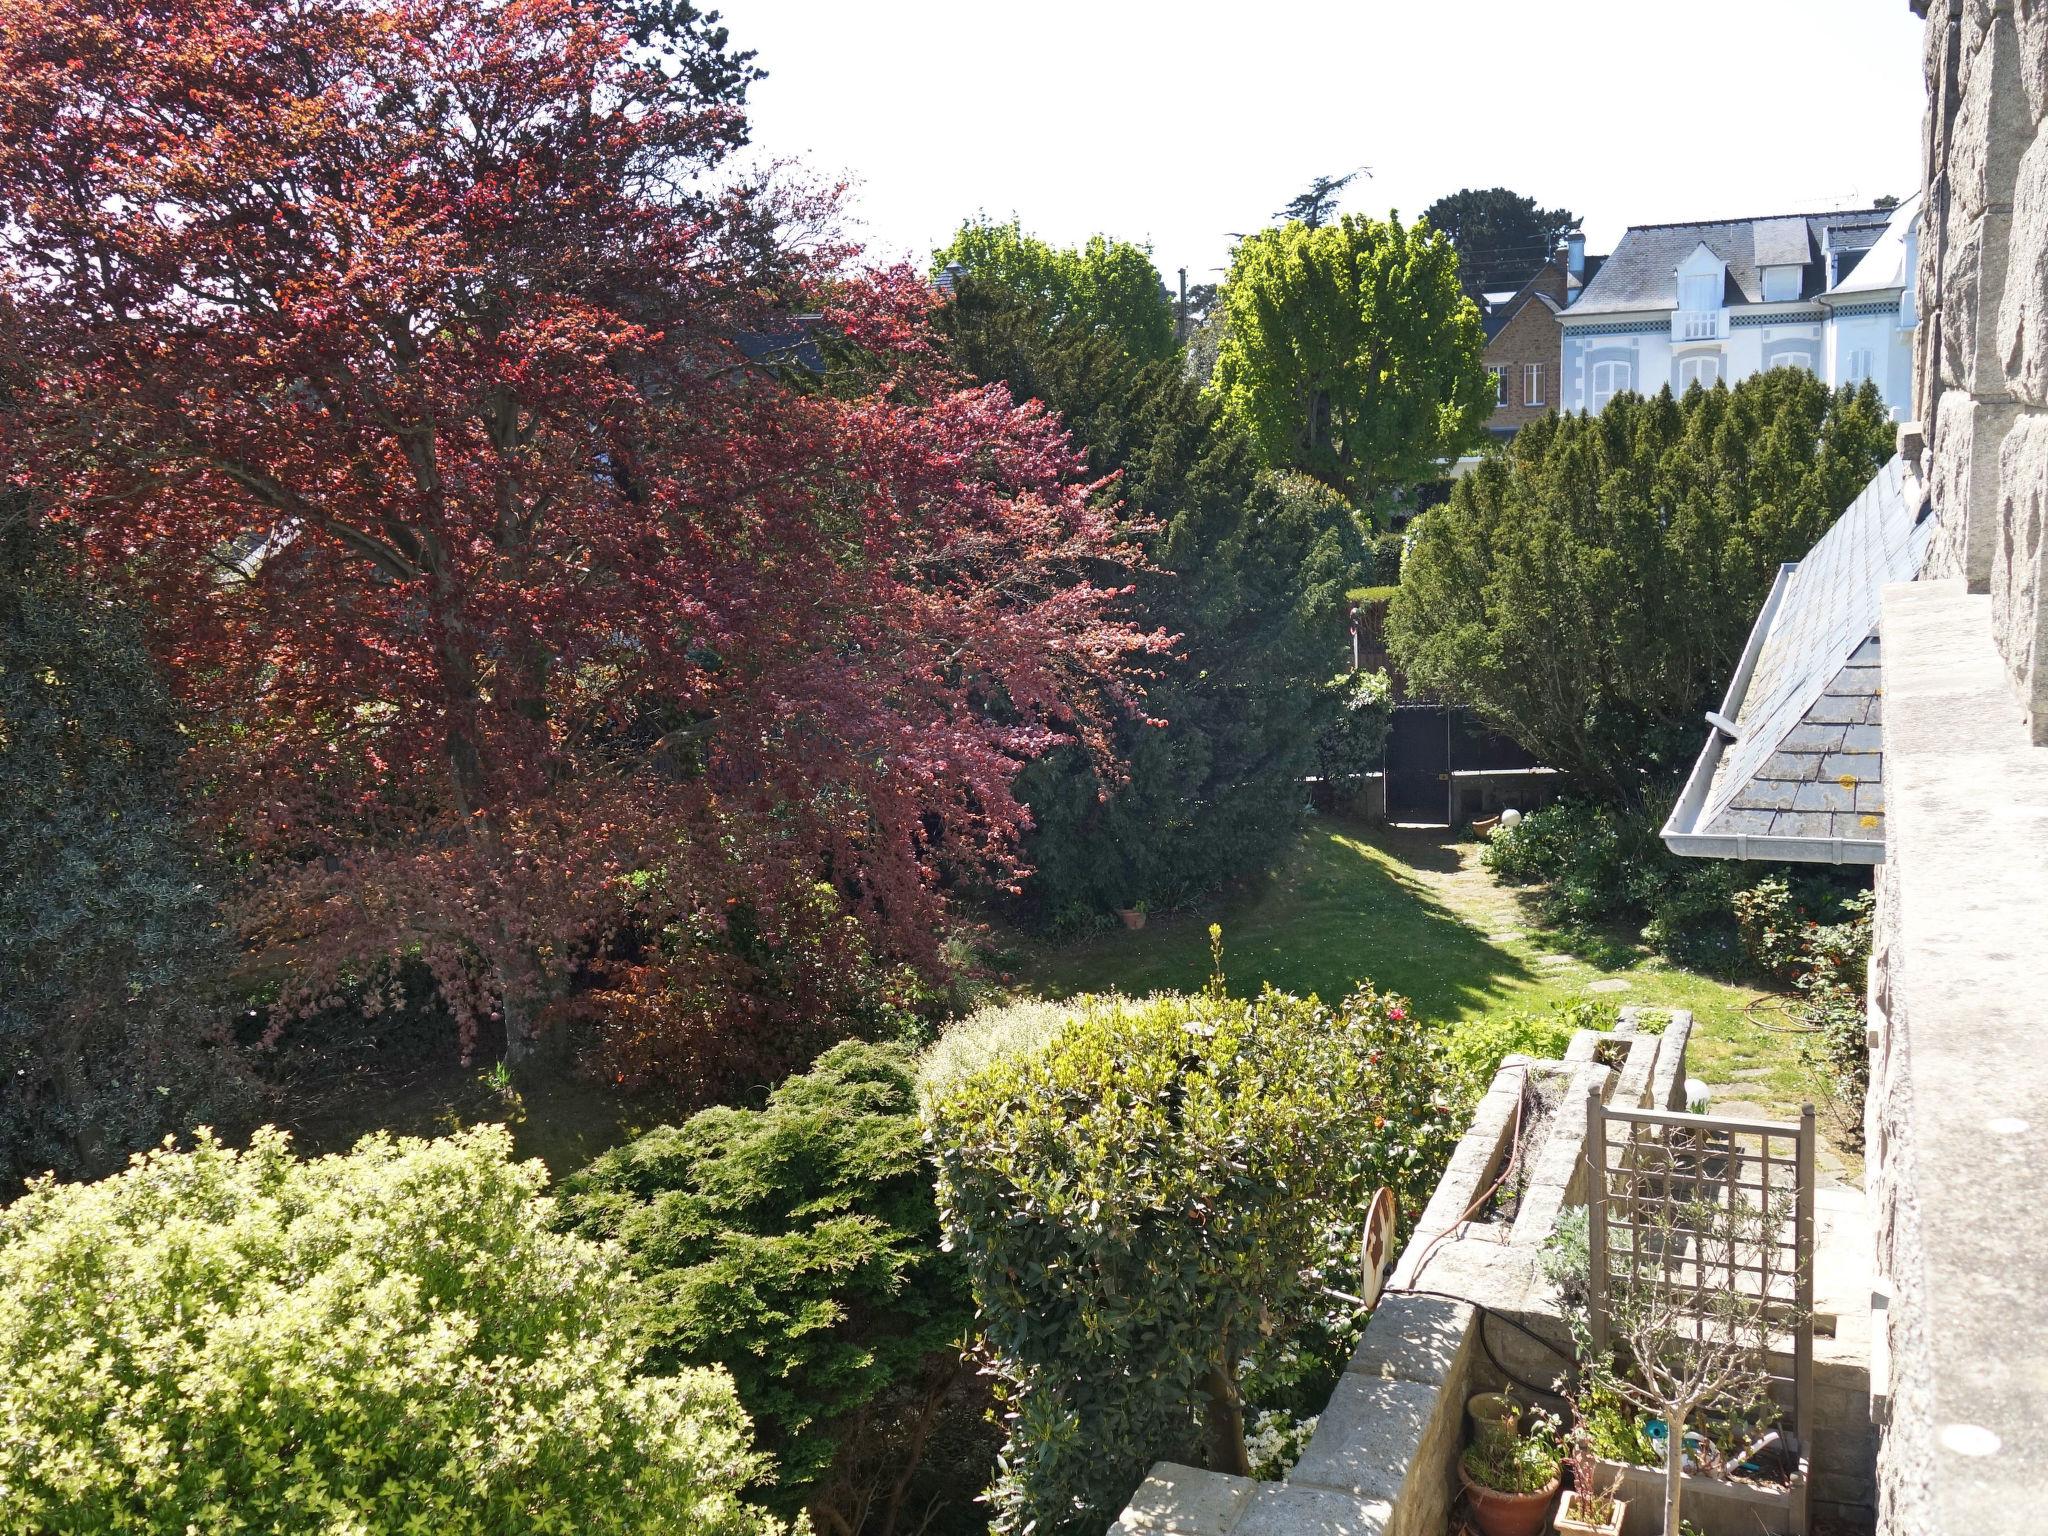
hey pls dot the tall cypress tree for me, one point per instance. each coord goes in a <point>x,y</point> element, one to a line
<point>107,927</point>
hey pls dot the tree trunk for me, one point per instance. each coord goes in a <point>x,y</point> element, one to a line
<point>518,1042</point>
<point>1225,1418</point>
<point>1674,1466</point>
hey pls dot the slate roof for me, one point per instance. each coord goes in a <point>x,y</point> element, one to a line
<point>792,347</point>
<point>1804,777</point>
<point>1641,271</point>
<point>1782,242</point>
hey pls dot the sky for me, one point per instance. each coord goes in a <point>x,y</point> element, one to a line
<point>1177,124</point>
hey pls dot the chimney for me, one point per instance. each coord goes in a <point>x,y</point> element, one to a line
<point>1575,254</point>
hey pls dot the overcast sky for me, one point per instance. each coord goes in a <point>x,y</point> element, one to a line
<point>1175,124</point>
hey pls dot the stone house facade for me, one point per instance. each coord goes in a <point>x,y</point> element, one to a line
<point>1959,1085</point>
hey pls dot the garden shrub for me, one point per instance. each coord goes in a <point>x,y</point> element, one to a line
<point>797,1246</point>
<point>1155,1193</point>
<point>1250,569</point>
<point>1384,550</point>
<point>972,1043</point>
<point>1354,741</point>
<point>1547,592</point>
<point>711,1006</point>
<point>1777,915</point>
<point>113,1023</point>
<point>1833,1006</point>
<point>391,1340</point>
<point>1476,1047</point>
<point>1605,867</point>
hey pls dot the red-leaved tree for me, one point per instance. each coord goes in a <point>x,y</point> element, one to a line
<point>528,620</point>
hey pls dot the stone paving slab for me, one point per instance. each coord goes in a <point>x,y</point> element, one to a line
<point>1413,1338</point>
<point>1367,1437</point>
<point>1186,1501</point>
<point>1281,1509</point>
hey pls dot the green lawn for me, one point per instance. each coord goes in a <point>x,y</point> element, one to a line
<point>1414,912</point>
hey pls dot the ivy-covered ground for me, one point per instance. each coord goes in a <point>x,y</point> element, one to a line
<point>1415,912</point>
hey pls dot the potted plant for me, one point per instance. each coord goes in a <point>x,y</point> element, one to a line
<point>1134,917</point>
<point>1511,1478</point>
<point>1691,1354</point>
<point>1587,1508</point>
<point>1492,1413</point>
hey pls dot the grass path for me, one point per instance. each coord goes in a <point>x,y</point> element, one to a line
<point>1415,912</point>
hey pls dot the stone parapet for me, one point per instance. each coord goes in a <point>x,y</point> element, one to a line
<point>1958,1097</point>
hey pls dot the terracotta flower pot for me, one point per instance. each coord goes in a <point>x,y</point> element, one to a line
<point>1570,1522</point>
<point>1132,917</point>
<point>1492,1414</point>
<point>1509,1514</point>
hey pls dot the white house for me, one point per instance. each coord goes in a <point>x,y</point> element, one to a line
<point>1683,303</point>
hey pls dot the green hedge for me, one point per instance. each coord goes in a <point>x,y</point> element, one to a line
<point>1159,1192</point>
<point>797,1246</point>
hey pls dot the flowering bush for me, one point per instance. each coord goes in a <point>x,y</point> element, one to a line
<point>1149,1204</point>
<point>1275,1441</point>
<point>394,1340</point>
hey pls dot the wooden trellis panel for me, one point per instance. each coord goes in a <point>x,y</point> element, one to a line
<point>1651,1170</point>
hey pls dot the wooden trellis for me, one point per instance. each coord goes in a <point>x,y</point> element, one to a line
<point>1652,1174</point>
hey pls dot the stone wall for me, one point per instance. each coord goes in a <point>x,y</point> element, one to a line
<point>1981,371</point>
<point>1959,1091</point>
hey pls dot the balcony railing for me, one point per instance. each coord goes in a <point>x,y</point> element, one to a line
<point>1699,324</point>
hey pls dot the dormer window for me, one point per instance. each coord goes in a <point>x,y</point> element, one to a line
<point>1781,284</point>
<point>1702,281</point>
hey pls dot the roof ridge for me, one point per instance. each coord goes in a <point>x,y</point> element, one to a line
<point>1759,218</point>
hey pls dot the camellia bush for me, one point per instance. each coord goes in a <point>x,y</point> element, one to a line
<point>1157,1193</point>
<point>392,1340</point>
<point>797,1245</point>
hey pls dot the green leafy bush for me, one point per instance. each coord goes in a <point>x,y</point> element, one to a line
<point>971,1044</point>
<point>1604,867</point>
<point>113,1029</point>
<point>797,1246</point>
<point>1157,1192</point>
<point>1385,550</point>
<point>1355,739</point>
<point>1778,915</point>
<point>1476,1047</point>
<point>1833,1006</point>
<point>392,1340</point>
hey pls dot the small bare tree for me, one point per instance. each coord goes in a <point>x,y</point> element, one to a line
<point>1692,1342</point>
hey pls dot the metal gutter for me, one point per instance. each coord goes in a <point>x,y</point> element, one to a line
<point>1678,833</point>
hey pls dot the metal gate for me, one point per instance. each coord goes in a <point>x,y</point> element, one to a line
<point>1419,765</point>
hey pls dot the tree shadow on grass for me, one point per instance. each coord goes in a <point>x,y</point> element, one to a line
<point>1337,910</point>
<point>1437,849</point>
